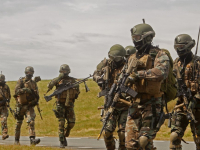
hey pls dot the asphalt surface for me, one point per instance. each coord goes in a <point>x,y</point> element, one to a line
<point>86,143</point>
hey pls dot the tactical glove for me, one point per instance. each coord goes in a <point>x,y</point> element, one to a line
<point>132,78</point>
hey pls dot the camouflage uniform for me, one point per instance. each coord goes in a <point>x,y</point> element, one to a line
<point>27,97</point>
<point>143,115</point>
<point>179,118</point>
<point>120,113</point>
<point>4,110</point>
<point>65,106</point>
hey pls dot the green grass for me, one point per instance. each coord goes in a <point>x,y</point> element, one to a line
<point>87,116</point>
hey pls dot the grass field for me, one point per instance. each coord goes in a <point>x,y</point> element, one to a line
<point>87,116</point>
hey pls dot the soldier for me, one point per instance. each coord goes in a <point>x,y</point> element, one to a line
<point>27,97</point>
<point>112,68</point>
<point>65,103</point>
<point>129,51</point>
<point>188,65</point>
<point>150,66</point>
<point>4,91</point>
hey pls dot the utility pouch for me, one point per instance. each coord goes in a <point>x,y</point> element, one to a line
<point>22,99</point>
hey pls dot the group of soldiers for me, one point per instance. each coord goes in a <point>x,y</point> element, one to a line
<point>27,97</point>
<point>157,79</point>
<point>137,82</point>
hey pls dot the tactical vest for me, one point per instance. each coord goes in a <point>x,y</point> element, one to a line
<point>191,78</point>
<point>68,95</point>
<point>6,91</point>
<point>25,98</point>
<point>146,87</point>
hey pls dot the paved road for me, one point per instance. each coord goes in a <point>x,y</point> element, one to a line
<point>86,143</point>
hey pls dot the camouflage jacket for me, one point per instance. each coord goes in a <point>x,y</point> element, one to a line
<point>29,87</point>
<point>190,74</point>
<point>112,73</point>
<point>71,93</point>
<point>6,92</point>
<point>151,73</point>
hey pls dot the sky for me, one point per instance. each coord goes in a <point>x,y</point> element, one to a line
<point>45,34</point>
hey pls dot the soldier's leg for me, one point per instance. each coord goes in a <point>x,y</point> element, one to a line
<point>108,131</point>
<point>148,129</point>
<point>121,129</point>
<point>71,118</point>
<point>178,127</point>
<point>61,120</point>
<point>4,115</point>
<point>196,136</point>
<point>132,128</point>
<point>31,124</point>
<point>20,112</point>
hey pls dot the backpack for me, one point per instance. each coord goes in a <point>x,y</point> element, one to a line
<point>169,85</point>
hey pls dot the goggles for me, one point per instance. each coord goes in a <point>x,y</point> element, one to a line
<point>139,37</point>
<point>179,46</point>
<point>116,58</point>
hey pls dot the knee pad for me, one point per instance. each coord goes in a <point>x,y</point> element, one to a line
<point>143,141</point>
<point>61,123</point>
<point>108,134</point>
<point>70,125</point>
<point>175,140</point>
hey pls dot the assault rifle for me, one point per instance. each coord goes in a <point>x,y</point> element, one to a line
<point>65,87</point>
<point>7,101</point>
<point>37,79</point>
<point>185,94</point>
<point>118,88</point>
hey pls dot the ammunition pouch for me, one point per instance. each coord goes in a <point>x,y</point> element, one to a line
<point>72,94</point>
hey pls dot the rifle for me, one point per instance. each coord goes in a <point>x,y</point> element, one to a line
<point>37,79</point>
<point>65,87</point>
<point>118,88</point>
<point>185,94</point>
<point>7,104</point>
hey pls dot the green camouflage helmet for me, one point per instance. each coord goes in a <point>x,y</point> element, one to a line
<point>64,69</point>
<point>117,52</point>
<point>141,32</point>
<point>2,78</point>
<point>130,50</point>
<point>29,70</point>
<point>183,44</point>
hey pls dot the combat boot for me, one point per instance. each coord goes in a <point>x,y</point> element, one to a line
<point>62,144</point>
<point>16,142</point>
<point>34,141</point>
<point>65,142</point>
<point>5,136</point>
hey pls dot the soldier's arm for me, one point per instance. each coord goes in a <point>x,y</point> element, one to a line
<point>160,70</point>
<point>18,87</point>
<point>9,95</point>
<point>98,72</point>
<point>55,81</point>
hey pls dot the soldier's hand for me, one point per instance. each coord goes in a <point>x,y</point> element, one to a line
<point>131,79</point>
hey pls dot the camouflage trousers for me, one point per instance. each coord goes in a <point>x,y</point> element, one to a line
<point>29,113</point>
<point>118,118</point>
<point>142,121</point>
<point>180,123</point>
<point>65,113</point>
<point>4,115</point>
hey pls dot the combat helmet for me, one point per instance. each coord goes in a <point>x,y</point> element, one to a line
<point>29,71</point>
<point>129,50</point>
<point>117,53</point>
<point>183,44</point>
<point>64,69</point>
<point>142,35</point>
<point>2,79</point>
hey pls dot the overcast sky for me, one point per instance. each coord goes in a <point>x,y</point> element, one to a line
<point>48,33</point>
